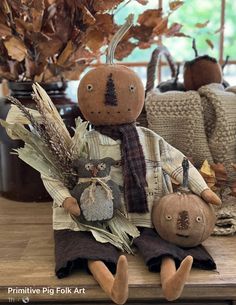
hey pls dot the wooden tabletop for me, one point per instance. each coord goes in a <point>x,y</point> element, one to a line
<point>27,261</point>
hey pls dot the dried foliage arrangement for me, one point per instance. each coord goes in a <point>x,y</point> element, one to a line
<point>50,40</point>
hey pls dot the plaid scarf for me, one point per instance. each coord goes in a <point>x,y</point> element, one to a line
<point>134,167</point>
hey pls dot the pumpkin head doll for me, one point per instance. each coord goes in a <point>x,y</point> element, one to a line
<point>111,97</point>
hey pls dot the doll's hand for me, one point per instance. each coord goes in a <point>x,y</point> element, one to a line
<point>70,204</point>
<point>210,197</point>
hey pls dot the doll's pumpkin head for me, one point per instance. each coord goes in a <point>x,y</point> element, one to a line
<point>111,94</point>
<point>183,219</point>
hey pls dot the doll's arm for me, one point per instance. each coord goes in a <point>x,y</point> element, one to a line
<point>61,195</point>
<point>171,160</point>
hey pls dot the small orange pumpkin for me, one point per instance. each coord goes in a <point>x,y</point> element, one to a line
<point>111,94</point>
<point>183,218</point>
<point>202,70</point>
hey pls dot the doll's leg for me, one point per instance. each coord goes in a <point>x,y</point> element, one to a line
<point>173,281</point>
<point>115,287</point>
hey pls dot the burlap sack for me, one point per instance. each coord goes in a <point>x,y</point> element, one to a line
<point>220,122</point>
<point>178,118</point>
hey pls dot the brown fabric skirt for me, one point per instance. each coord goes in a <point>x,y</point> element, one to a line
<point>152,247</point>
<point>73,249</point>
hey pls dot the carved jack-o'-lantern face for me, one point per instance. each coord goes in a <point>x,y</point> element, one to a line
<point>183,219</point>
<point>111,95</point>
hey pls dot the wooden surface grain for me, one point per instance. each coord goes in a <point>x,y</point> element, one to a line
<point>27,260</point>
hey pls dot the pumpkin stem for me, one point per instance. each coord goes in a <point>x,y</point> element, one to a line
<point>117,38</point>
<point>195,47</point>
<point>225,63</point>
<point>185,166</point>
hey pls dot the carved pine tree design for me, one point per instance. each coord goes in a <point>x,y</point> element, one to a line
<point>110,95</point>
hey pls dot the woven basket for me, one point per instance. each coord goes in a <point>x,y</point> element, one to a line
<point>177,116</point>
<point>151,76</point>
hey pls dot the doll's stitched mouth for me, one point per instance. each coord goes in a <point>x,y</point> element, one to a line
<point>181,235</point>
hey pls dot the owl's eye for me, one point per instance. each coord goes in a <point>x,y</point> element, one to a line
<point>88,166</point>
<point>168,217</point>
<point>198,219</point>
<point>89,87</point>
<point>132,88</point>
<point>101,166</point>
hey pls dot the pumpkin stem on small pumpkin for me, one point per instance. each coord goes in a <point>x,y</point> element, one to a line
<point>117,38</point>
<point>195,47</point>
<point>225,62</point>
<point>185,166</point>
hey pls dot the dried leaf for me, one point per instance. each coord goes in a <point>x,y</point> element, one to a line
<point>179,34</point>
<point>143,2</point>
<point>66,53</point>
<point>105,23</point>
<point>16,48</point>
<point>202,25</point>
<point>150,18</point>
<point>173,29</point>
<point>49,48</point>
<point>210,43</point>
<point>174,5</point>
<point>144,45</point>
<point>105,5</point>
<point>219,170</point>
<point>141,33</point>
<point>87,16</point>
<point>161,27</point>
<point>37,12</point>
<point>124,49</point>
<point>4,30</point>
<point>94,39</point>
<point>208,174</point>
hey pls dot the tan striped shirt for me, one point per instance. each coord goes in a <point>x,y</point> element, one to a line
<point>162,162</point>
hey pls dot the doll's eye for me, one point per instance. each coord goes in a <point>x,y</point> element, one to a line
<point>132,88</point>
<point>89,87</point>
<point>168,217</point>
<point>88,166</point>
<point>198,219</point>
<point>101,166</point>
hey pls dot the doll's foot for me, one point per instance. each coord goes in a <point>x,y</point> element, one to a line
<point>119,291</point>
<point>115,287</point>
<point>173,281</point>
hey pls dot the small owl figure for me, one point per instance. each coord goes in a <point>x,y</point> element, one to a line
<point>98,196</point>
